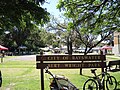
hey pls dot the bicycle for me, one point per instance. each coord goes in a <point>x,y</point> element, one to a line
<point>60,82</point>
<point>97,83</point>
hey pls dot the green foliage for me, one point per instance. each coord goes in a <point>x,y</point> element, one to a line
<point>19,12</point>
<point>21,18</point>
<point>31,36</point>
<point>70,25</point>
<point>89,13</point>
<point>92,18</point>
<point>39,38</point>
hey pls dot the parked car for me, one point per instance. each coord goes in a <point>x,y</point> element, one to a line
<point>82,50</point>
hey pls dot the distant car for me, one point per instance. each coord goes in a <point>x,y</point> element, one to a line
<point>82,50</point>
<point>79,51</point>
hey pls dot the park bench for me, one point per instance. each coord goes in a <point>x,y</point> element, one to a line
<point>113,66</point>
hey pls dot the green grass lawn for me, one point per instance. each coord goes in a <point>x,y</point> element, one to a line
<point>23,75</point>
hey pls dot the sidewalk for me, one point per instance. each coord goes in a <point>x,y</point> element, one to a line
<point>24,57</point>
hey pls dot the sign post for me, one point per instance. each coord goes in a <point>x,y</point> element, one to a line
<point>42,77</point>
<point>69,62</point>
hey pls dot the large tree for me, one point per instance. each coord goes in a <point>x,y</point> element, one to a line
<point>64,34</point>
<point>92,18</point>
<point>20,18</point>
<point>13,12</point>
<point>39,38</point>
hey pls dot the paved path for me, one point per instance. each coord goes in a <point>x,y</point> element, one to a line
<point>24,57</point>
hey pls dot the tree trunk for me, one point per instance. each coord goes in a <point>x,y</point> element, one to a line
<point>68,49</point>
<point>81,69</point>
<point>82,62</point>
<point>69,46</point>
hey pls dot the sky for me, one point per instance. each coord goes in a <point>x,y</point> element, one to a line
<point>51,7</point>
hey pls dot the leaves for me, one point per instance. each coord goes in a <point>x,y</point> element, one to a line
<point>13,11</point>
<point>92,18</point>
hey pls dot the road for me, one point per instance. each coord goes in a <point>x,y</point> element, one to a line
<point>23,57</point>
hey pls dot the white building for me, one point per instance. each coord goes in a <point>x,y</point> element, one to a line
<point>116,49</point>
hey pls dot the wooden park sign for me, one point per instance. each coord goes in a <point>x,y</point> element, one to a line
<point>69,62</point>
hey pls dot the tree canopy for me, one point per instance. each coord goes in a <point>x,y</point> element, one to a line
<point>92,18</point>
<point>18,12</point>
<point>20,20</point>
